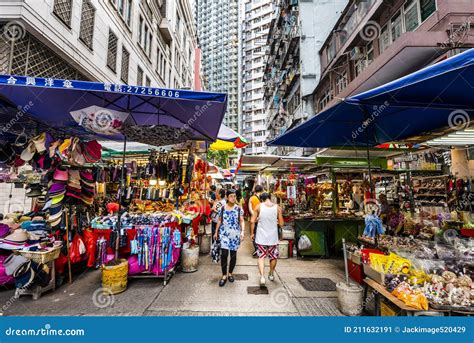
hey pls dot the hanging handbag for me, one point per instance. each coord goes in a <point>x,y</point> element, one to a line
<point>216,251</point>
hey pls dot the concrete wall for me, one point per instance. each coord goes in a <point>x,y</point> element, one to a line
<point>318,18</point>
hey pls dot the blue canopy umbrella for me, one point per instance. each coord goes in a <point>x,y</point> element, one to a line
<point>149,115</point>
<point>436,97</point>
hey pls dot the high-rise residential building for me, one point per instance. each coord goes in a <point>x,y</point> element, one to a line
<point>217,29</point>
<point>298,29</point>
<point>255,24</point>
<point>137,42</point>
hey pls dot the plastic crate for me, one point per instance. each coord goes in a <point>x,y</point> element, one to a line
<point>366,254</point>
<point>356,272</point>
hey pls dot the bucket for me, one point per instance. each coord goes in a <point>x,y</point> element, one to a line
<point>190,259</point>
<point>114,277</point>
<point>350,298</point>
<point>205,244</point>
<point>283,249</point>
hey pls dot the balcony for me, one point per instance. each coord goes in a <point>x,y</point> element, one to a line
<point>165,30</point>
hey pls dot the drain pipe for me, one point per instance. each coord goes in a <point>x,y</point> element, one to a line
<point>345,261</point>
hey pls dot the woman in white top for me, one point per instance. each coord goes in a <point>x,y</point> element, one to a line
<point>269,216</point>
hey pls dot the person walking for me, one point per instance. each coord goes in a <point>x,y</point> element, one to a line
<point>253,202</point>
<point>269,216</point>
<point>230,231</point>
<point>216,208</point>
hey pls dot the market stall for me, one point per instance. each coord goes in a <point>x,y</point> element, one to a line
<point>91,208</point>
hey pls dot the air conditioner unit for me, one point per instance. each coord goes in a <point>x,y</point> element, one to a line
<point>357,53</point>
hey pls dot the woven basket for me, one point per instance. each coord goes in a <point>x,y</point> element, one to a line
<point>42,256</point>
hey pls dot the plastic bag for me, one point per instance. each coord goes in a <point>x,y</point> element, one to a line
<point>90,239</point>
<point>77,245</point>
<point>304,243</point>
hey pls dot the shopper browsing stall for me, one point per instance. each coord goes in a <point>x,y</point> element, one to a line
<point>230,231</point>
<point>269,217</point>
<point>216,208</point>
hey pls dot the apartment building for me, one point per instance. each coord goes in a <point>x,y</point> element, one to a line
<point>375,42</point>
<point>292,69</point>
<point>256,19</point>
<point>217,29</point>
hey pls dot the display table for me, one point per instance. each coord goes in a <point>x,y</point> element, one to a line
<point>381,291</point>
<point>326,234</point>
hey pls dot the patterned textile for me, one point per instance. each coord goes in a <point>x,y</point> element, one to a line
<point>229,232</point>
<point>268,250</point>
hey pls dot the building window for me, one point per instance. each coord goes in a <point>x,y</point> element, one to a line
<point>384,40</point>
<point>325,98</point>
<point>144,36</point>
<point>63,10</point>
<point>139,76</point>
<point>396,26</point>
<point>86,34</point>
<point>125,65</point>
<point>427,7</point>
<point>112,51</point>
<point>147,81</point>
<point>411,15</point>
<point>124,8</point>
<point>341,81</point>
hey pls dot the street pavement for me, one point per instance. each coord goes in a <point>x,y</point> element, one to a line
<point>193,294</point>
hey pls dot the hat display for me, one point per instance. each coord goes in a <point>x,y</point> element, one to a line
<point>40,142</point>
<point>13,262</point>
<point>57,199</point>
<point>61,174</point>
<point>92,151</point>
<point>16,237</point>
<point>28,153</point>
<point>26,279</point>
<point>4,230</point>
<point>34,191</point>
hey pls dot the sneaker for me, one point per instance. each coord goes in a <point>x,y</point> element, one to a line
<point>271,277</point>
<point>262,281</point>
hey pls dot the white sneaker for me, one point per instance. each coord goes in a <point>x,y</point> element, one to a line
<point>271,277</point>
<point>262,281</point>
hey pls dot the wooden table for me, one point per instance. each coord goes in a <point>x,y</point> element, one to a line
<point>406,310</point>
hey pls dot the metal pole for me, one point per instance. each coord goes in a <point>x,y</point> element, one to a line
<point>121,188</point>
<point>345,261</point>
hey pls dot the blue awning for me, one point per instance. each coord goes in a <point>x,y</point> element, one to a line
<point>67,105</point>
<point>436,97</point>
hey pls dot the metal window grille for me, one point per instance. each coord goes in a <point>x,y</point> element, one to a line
<point>87,23</point>
<point>28,56</point>
<point>112,51</point>
<point>63,10</point>
<point>125,65</point>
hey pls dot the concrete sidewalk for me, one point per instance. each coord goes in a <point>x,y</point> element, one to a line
<point>193,294</point>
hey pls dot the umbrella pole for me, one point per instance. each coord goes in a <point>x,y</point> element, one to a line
<point>367,116</point>
<point>121,188</point>
<point>67,246</point>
